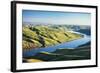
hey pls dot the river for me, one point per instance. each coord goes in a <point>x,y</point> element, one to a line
<point>67,45</point>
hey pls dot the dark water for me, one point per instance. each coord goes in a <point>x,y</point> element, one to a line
<point>67,45</point>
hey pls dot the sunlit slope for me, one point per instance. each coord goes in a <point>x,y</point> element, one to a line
<point>42,36</point>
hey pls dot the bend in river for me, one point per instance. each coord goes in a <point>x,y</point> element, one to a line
<point>67,45</point>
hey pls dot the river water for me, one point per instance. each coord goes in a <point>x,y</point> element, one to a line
<point>67,45</point>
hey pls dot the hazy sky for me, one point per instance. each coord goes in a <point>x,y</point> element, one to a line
<point>53,17</point>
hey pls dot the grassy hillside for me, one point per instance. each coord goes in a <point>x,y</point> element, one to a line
<point>42,36</point>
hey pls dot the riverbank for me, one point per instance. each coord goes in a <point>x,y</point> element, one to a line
<point>32,60</point>
<point>80,53</point>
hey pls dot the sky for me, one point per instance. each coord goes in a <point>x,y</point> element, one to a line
<point>55,17</point>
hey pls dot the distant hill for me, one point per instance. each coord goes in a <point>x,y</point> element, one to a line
<point>42,36</point>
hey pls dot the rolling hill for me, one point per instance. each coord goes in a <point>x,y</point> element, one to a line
<point>43,36</point>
